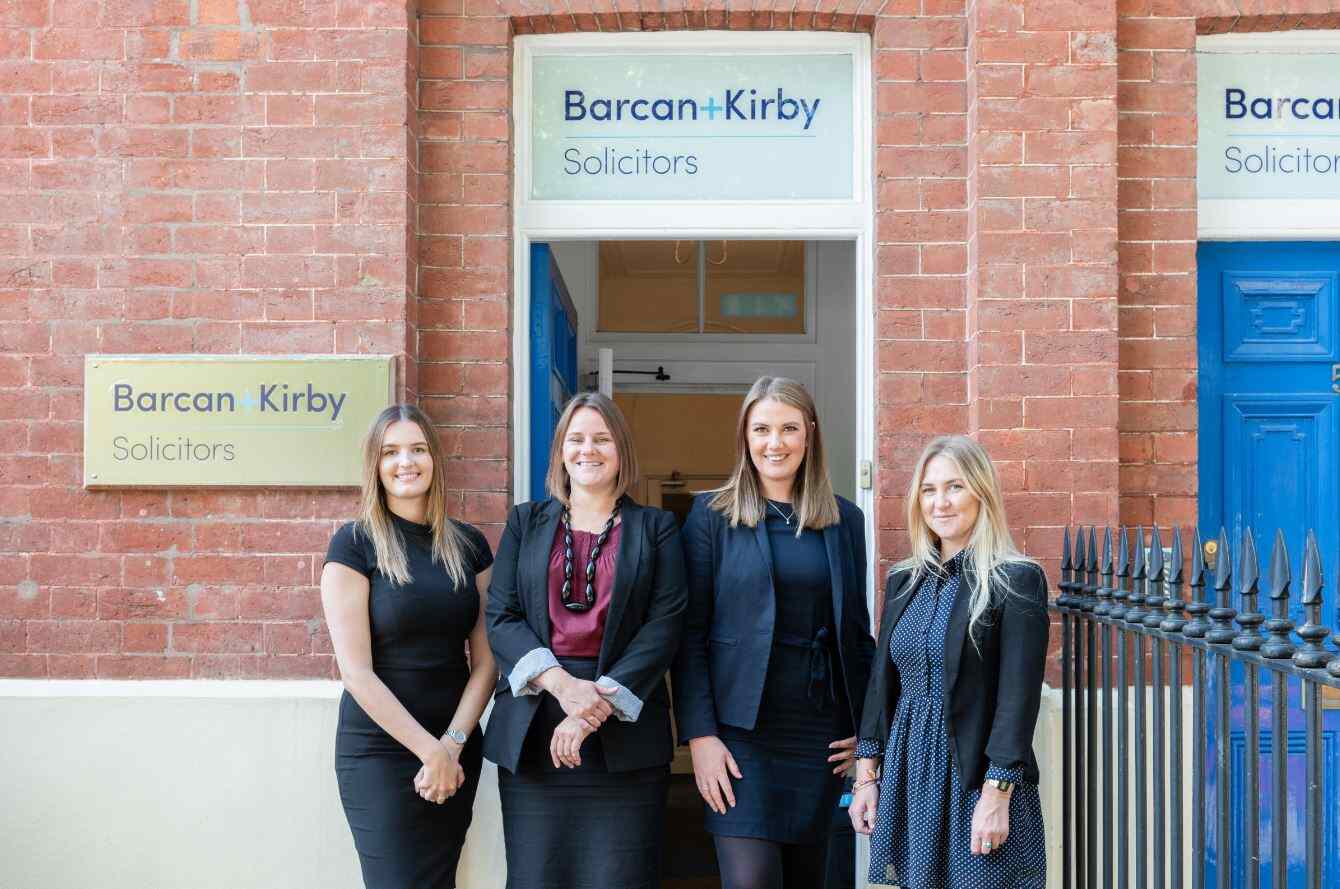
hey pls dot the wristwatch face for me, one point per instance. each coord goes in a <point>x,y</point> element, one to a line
<point>456,735</point>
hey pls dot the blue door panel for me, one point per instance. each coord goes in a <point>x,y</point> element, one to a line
<point>1273,317</point>
<point>553,358</point>
<point>1273,453</point>
<point>1269,429</point>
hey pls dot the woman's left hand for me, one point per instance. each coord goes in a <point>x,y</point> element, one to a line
<point>990,821</point>
<point>845,755</point>
<point>565,747</point>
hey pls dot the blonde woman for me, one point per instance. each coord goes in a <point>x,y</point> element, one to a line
<point>954,692</point>
<point>585,612</point>
<point>777,649</point>
<point>403,590</point>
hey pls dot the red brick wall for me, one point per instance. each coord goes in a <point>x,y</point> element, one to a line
<point>333,175</point>
<point>1157,226</point>
<point>185,176</point>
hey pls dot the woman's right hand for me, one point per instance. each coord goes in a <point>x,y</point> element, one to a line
<point>864,805</point>
<point>440,777</point>
<point>713,767</point>
<point>583,699</point>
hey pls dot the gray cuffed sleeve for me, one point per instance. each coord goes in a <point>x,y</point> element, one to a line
<point>532,664</point>
<point>627,706</point>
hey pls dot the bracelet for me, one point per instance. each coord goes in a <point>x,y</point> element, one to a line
<point>864,783</point>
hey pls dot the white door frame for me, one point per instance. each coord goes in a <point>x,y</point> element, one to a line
<point>847,220</point>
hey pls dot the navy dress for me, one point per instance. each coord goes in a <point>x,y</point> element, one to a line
<point>789,792</point>
<point>923,829</point>
<point>419,632</point>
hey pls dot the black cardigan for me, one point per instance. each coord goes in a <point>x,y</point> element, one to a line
<point>993,689</point>
<point>642,629</point>
<point>722,666</point>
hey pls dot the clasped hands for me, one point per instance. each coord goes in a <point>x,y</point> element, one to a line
<point>441,774</point>
<point>587,707</point>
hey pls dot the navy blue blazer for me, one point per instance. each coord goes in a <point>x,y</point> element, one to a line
<point>642,631</point>
<point>718,675</point>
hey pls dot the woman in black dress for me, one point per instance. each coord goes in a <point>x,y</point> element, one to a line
<point>585,611</point>
<point>954,692</point>
<point>403,590</point>
<point>777,648</point>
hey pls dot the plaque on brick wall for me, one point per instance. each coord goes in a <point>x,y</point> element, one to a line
<point>235,420</point>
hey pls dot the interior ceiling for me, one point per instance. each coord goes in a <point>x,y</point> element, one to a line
<point>643,259</point>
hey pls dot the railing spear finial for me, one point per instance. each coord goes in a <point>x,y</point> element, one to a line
<point>1105,585</point>
<point>1063,600</point>
<point>1279,645</point>
<point>1198,625</point>
<point>1135,614</point>
<point>1222,632</point>
<point>1117,610</point>
<point>1077,576</point>
<point>1154,581</point>
<point>1175,622</point>
<point>1091,587</point>
<point>1249,579</point>
<point>1313,655</point>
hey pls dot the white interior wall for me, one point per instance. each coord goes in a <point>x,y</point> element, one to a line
<point>826,365</point>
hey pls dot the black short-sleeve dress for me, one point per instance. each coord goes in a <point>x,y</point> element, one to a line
<point>419,632</point>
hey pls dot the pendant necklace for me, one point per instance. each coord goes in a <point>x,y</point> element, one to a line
<point>589,600</point>
<point>786,518</point>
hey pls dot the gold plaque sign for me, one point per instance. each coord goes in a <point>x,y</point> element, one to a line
<point>229,420</point>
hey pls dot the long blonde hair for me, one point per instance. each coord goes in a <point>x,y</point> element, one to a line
<point>989,549</point>
<point>556,481</point>
<point>741,499</point>
<point>450,545</point>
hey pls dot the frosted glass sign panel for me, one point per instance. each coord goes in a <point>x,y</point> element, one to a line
<point>709,127</point>
<point>1269,125</point>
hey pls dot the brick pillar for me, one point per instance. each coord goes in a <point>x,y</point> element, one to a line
<point>464,246</point>
<point>1042,285</point>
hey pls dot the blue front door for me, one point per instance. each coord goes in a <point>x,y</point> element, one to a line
<point>1269,406</point>
<point>553,358</point>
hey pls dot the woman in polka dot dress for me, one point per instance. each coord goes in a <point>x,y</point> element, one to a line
<point>946,779</point>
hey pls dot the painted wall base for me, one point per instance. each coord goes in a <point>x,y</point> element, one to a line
<point>220,785</point>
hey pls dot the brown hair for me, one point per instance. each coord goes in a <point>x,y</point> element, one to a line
<point>450,545</point>
<point>741,499</point>
<point>556,482</point>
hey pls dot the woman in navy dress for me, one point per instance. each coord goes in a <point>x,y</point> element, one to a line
<point>954,693</point>
<point>777,649</point>
<point>585,612</point>
<point>403,590</point>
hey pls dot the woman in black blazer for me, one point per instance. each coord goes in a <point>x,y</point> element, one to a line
<point>777,648</point>
<point>585,611</point>
<point>954,692</point>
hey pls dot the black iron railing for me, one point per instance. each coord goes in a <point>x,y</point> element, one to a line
<point>1122,638</point>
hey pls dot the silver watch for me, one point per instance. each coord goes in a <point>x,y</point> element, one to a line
<point>457,735</point>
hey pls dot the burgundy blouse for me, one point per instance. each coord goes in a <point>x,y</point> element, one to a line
<point>579,633</point>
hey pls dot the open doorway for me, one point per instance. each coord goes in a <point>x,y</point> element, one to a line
<point>677,331</point>
<point>688,325</point>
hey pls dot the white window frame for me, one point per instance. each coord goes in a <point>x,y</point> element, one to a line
<point>846,220</point>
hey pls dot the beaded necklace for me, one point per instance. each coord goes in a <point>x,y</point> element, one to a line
<point>589,601</point>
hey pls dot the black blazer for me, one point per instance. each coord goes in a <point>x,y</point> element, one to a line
<point>993,689</point>
<point>642,629</point>
<point>733,611</point>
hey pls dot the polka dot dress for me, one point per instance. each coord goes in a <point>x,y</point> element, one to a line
<point>923,830</point>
